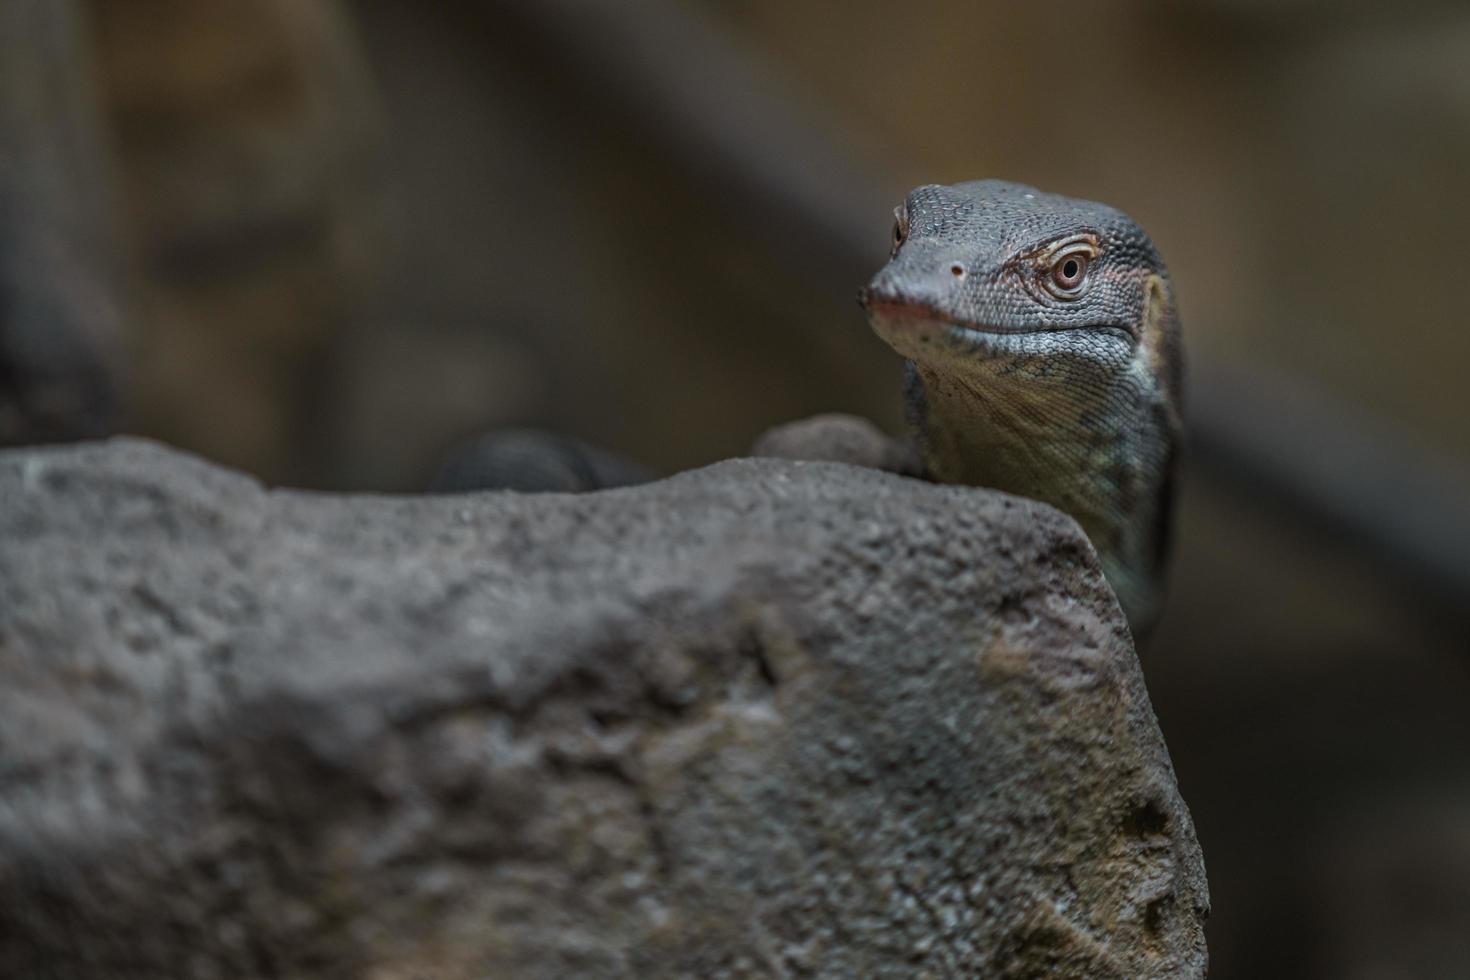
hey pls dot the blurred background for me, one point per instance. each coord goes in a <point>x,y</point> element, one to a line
<point>324,240</point>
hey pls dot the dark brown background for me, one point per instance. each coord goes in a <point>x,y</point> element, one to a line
<point>348,234</point>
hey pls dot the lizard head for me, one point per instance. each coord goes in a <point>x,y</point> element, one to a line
<point>990,277</point>
<point>1043,359</point>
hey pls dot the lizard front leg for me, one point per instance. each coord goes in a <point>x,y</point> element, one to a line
<point>837,438</point>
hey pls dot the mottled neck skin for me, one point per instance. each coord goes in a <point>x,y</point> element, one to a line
<point>1043,359</point>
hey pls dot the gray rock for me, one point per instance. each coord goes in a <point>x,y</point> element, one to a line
<point>762,719</point>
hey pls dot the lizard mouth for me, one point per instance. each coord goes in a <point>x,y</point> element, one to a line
<point>920,319</point>
<point>903,322</point>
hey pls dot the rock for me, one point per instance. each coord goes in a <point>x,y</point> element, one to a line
<point>761,719</point>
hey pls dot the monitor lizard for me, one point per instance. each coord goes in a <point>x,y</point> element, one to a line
<point>1042,358</point>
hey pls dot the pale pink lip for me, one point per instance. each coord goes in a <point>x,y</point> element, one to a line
<point>922,318</point>
<point>924,322</point>
<point>912,316</point>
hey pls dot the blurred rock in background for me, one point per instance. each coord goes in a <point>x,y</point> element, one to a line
<point>59,350</point>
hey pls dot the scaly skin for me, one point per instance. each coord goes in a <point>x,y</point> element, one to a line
<point>1043,359</point>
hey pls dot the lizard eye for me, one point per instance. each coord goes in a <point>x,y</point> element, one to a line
<point>900,228</point>
<point>1067,275</point>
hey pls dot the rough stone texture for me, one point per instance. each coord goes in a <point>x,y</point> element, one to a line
<point>762,719</point>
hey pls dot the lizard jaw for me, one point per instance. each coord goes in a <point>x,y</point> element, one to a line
<point>921,331</point>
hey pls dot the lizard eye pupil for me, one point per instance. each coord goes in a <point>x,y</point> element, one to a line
<point>1069,272</point>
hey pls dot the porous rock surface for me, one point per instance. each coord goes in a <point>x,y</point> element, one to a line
<point>762,719</point>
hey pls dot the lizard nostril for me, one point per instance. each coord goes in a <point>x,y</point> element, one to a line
<point>957,270</point>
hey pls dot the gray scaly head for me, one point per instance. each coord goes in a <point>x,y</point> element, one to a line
<point>1043,360</point>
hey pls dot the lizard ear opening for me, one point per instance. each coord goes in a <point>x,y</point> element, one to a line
<point>1159,341</point>
<point>1155,317</point>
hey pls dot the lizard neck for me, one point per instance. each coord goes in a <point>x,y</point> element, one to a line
<point>1095,441</point>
